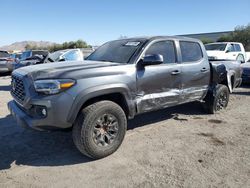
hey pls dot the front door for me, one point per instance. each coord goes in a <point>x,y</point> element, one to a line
<point>158,86</point>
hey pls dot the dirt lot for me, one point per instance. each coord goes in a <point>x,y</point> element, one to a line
<point>177,147</point>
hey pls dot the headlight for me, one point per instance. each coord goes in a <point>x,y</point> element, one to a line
<point>53,86</point>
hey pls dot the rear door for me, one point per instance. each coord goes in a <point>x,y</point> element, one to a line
<point>158,86</point>
<point>195,71</point>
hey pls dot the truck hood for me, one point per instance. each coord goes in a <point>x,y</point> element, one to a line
<point>69,69</point>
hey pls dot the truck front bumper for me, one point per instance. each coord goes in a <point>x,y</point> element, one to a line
<point>38,123</point>
<point>21,117</point>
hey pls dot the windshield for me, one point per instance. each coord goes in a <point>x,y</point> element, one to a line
<point>216,47</point>
<point>4,54</point>
<point>25,55</point>
<point>55,56</point>
<point>119,51</point>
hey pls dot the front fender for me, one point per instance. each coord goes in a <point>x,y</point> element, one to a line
<point>97,91</point>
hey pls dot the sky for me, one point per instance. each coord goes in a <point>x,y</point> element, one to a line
<point>98,21</point>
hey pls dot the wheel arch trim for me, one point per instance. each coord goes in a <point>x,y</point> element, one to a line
<point>99,91</point>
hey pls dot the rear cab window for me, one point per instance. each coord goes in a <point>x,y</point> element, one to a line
<point>190,51</point>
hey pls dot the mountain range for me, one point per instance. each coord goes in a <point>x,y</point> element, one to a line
<point>20,46</point>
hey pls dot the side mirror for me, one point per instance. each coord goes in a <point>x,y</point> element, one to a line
<point>152,59</point>
<point>227,51</point>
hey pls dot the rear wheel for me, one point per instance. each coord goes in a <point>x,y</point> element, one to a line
<point>217,100</point>
<point>100,129</point>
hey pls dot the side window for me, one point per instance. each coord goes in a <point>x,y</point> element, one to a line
<point>230,48</point>
<point>164,48</point>
<point>237,47</point>
<point>190,51</point>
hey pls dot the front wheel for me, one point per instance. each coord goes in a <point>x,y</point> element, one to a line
<point>99,129</point>
<point>216,100</point>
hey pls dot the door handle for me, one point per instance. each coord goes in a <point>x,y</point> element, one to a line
<point>175,72</point>
<point>234,54</point>
<point>203,69</point>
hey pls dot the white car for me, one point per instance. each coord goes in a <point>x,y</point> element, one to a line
<point>66,55</point>
<point>5,60</point>
<point>248,56</point>
<point>226,51</point>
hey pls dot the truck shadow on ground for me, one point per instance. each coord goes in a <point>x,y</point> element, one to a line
<point>32,148</point>
<point>194,108</point>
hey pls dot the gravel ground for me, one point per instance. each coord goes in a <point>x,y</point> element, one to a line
<point>176,147</point>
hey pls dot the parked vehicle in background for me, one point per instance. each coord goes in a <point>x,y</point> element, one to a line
<point>119,80</point>
<point>248,56</point>
<point>65,55</point>
<point>232,55</point>
<point>31,57</point>
<point>5,60</point>
<point>58,56</point>
<point>226,51</point>
<point>246,70</point>
<point>246,73</point>
<point>87,51</point>
<point>16,56</point>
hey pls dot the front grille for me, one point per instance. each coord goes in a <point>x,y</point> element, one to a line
<point>17,88</point>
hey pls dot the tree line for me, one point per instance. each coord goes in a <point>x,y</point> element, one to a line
<point>55,47</point>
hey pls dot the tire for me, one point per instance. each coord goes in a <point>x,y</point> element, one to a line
<point>216,100</point>
<point>99,129</point>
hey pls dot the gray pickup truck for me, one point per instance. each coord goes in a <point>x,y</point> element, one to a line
<point>121,79</point>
